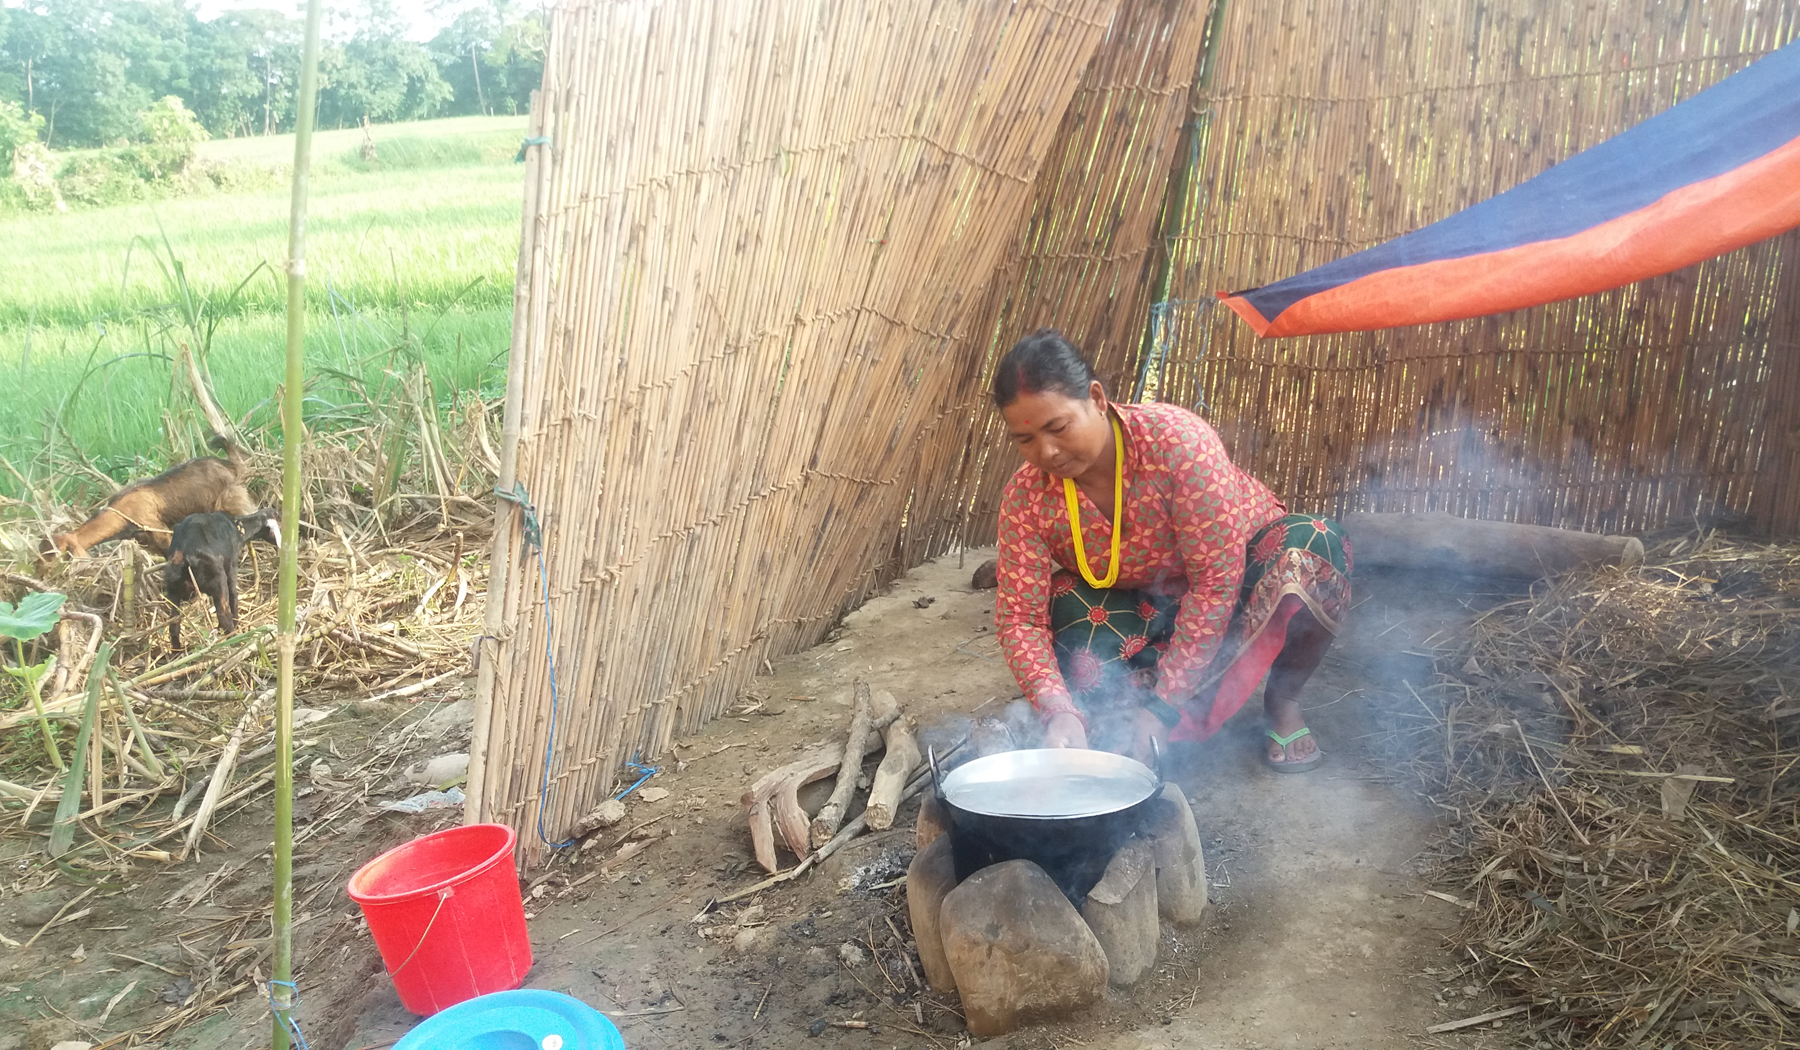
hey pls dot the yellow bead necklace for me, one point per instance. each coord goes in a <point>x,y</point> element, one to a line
<point>1112,572</point>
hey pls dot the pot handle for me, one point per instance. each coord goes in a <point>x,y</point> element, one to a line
<point>937,784</point>
<point>1156,763</point>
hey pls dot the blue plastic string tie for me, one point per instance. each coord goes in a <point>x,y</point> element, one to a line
<point>645,773</point>
<point>1162,325</point>
<point>550,740</point>
<point>285,1013</point>
<point>537,140</point>
<point>534,542</point>
<point>534,532</point>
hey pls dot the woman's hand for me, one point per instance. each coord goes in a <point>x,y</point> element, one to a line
<point>1148,735</point>
<point>1065,730</point>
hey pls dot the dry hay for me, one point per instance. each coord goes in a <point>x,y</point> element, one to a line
<point>392,574</point>
<point>1621,748</point>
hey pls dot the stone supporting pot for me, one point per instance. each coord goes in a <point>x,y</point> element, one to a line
<point>1019,950</point>
<point>1180,863</point>
<point>930,824</point>
<point>1121,910</point>
<point>928,881</point>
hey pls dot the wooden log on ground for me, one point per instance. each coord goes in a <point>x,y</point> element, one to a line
<point>773,799</point>
<point>898,764</point>
<point>1437,542</point>
<point>825,825</point>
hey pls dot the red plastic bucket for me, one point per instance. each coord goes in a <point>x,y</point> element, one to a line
<point>446,914</point>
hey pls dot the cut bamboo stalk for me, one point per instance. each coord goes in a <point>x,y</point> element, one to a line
<point>221,774</point>
<point>69,673</point>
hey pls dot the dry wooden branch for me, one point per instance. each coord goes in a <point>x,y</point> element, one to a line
<point>215,419</point>
<point>898,764</point>
<point>414,689</point>
<point>825,824</point>
<point>839,841</point>
<point>67,682</point>
<point>1468,1022</point>
<point>1437,542</point>
<point>776,794</point>
<point>222,772</point>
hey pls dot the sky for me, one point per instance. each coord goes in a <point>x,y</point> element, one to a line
<point>425,17</point>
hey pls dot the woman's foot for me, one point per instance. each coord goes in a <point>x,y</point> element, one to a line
<point>1291,748</point>
<point>1289,742</point>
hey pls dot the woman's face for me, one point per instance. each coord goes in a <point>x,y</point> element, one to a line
<point>1058,433</point>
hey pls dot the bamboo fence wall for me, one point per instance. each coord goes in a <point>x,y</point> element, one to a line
<point>1333,125</point>
<point>774,249</point>
<point>747,250</point>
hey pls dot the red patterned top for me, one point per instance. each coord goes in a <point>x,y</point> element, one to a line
<point>1189,511</point>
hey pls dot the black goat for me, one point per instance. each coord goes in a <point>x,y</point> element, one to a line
<point>203,559</point>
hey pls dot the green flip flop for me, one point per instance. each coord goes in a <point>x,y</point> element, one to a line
<point>1290,765</point>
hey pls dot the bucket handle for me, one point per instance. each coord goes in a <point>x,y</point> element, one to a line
<point>442,895</point>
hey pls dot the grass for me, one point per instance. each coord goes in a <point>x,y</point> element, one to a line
<point>410,259</point>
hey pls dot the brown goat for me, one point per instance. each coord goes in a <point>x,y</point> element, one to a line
<point>147,510</point>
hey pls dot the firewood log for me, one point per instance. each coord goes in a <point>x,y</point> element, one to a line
<point>831,814</point>
<point>773,799</point>
<point>897,767</point>
<point>1436,542</point>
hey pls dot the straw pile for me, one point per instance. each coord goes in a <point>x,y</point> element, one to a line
<point>1624,753</point>
<point>391,589</point>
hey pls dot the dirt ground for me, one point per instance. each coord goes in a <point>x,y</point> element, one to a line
<point>1321,934</point>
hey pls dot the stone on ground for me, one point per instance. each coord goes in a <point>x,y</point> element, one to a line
<point>1180,864</point>
<point>1121,910</point>
<point>929,880</point>
<point>1018,949</point>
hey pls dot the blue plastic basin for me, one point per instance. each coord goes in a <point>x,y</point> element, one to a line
<point>525,1019</point>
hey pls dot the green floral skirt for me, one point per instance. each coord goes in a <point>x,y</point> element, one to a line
<point>1108,642</point>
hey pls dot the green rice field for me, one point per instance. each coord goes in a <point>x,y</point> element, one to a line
<point>410,259</point>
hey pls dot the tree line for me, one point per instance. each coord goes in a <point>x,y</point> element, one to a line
<point>90,69</point>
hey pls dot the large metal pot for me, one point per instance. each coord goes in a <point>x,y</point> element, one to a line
<point>1066,809</point>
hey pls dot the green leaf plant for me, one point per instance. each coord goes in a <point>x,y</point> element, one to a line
<point>30,619</point>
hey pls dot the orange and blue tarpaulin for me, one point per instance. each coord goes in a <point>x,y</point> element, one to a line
<point>1707,176</point>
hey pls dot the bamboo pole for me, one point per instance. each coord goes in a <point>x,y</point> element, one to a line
<point>500,564</point>
<point>286,641</point>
